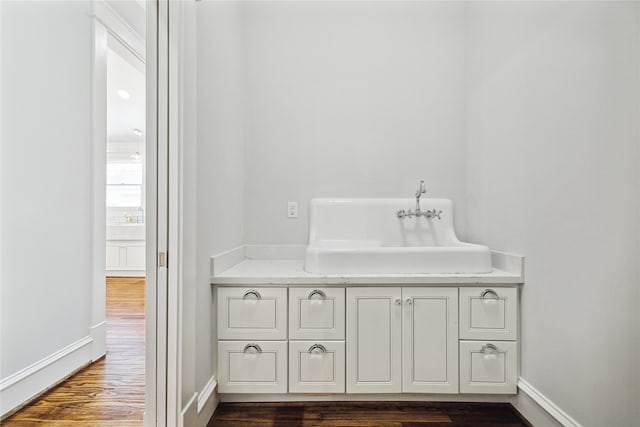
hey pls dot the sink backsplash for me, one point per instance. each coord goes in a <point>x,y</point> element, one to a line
<point>122,216</point>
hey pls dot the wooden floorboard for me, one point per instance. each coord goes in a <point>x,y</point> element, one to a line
<point>109,392</point>
<point>366,414</point>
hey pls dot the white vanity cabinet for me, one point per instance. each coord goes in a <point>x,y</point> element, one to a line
<point>402,340</point>
<point>368,339</point>
<point>125,258</point>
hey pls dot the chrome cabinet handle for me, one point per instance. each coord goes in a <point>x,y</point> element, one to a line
<point>256,348</point>
<point>317,349</point>
<point>398,301</point>
<point>408,301</point>
<point>489,292</point>
<point>253,292</point>
<point>318,292</point>
<point>489,349</point>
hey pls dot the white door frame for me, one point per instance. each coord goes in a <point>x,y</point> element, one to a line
<point>156,219</point>
<point>163,291</point>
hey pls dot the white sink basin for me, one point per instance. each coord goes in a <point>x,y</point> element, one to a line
<point>365,236</point>
<point>126,232</point>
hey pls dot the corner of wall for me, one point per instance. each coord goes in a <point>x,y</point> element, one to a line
<point>208,400</point>
<point>538,409</point>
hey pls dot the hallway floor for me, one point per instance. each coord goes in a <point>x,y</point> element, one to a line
<point>110,392</point>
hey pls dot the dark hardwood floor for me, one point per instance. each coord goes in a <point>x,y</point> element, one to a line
<point>109,392</point>
<point>366,414</point>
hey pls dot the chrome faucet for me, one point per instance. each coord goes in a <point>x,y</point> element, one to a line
<point>420,192</point>
<point>430,213</point>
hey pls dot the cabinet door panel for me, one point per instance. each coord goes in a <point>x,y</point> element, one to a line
<point>316,313</point>
<point>430,340</point>
<point>252,367</point>
<point>135,259</point>
<point>316,366</point>
<point>488,367</point>
<point>489,313</point>
<point>373,340</point>
<point>113,257</point>
<point>256,313</point>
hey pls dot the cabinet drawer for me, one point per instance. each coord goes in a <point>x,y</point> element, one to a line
<point>252,313</point>
<point>316,313</point>
<point>488,313</point>
<point>488,367</point>
<point>252,367</point>
<point>316,366</point>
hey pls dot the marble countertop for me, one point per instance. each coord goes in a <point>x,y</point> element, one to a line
<point>232,268</point>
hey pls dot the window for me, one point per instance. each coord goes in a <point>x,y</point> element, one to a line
<point>124,185</point>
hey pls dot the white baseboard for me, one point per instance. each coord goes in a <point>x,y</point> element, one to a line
<point>98,334</point>
<point>19,388</point>
<point>189,415</point>
<point>391,397</point>
<point>125,273</point>
<point>538,409</point>
<point>208,400</point>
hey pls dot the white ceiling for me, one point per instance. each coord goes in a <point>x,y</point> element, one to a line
<point>124,115</point>
<point>133,12</point>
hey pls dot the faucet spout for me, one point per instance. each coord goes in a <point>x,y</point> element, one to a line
<point>421,190</point>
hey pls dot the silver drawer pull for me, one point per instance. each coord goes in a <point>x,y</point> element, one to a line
<point>317,349</point>
<point>317,292</point>
<point>489,294</point>
<point>409,301</point>
<point>256,348</point>
<point>253,292</point>
<point>489,349</point>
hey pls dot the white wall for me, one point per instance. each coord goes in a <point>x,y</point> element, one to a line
<point>526,114</point>
<point>188,153</point>
<point>46,184</point>
<point>220,157</point>
<point>553,112</point>
<point>350,99</point>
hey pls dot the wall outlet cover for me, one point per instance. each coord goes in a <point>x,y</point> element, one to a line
<point>292,209</point>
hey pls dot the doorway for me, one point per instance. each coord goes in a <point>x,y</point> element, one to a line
<point>125,249</point>
<point>125,162</point>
